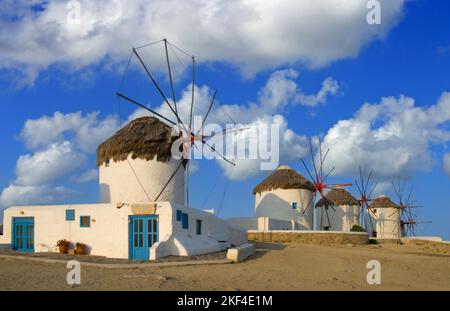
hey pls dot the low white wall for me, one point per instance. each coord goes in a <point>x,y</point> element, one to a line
<point>237,254</point>
<point>216,235</point>
<point>264,223</point>
<point>246,223</point>
<point>277,224</point>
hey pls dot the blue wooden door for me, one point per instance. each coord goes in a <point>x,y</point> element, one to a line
<point>23,234</point>
<point>143,234</point>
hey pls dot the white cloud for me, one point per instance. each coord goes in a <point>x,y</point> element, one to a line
<point>280,91</point>
<point>33,195</point>
<point>86,131</point>
<point>393,137</point>
<point>382,188</point>
<point>252,35</point>
<point>59,145</point>
<point>281,149</point>
<point>329,87</point>
<point>48,165</point>
<point>87,176</point>
<point>447,164</point>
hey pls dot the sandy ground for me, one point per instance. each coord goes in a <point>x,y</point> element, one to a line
<point>273,267</point>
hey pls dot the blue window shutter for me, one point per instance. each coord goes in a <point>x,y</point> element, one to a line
<point>185,221</point>
<point>179,215</point>
<point>85,221</point>
<point>70,214</point>
<point>294,205</point>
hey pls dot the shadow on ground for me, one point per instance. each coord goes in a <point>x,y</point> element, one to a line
<point>262,249</point>
<point>105,260</point>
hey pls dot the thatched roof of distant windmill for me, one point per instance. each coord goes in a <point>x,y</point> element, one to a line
<point>383,202</point>
<point>283,178</point>
<point>338,197</point>
<point>144,138</point>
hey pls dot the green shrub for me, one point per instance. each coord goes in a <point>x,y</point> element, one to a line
<point>357,228</point>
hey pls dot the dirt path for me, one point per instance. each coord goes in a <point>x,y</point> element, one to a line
<point>273,267</point>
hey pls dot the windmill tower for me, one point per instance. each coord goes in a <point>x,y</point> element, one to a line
<point>152,134</point>
<point>284,195</point>
<point>135,163</point>
<point>319,181</point>
<point>365,188</point>
<point>346,210</point>
<point>407,206</point>
<point>385,215</point>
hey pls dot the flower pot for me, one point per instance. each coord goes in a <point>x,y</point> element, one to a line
<point>80,249</point>
<point>63,249</point>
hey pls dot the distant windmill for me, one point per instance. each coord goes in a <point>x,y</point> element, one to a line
<point>319,180</point>
<point>407,206</point>
<point>365,189</point>
<point>185,130</point>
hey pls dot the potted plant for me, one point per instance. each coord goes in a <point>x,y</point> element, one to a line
<point>80,248</point>
<point>63,246</point>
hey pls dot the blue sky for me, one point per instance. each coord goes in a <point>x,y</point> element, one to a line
<point>409,54</point>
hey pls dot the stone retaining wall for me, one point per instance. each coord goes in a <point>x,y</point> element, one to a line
<point>314,237</point>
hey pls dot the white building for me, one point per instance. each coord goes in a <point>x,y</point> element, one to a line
<point>281,202</point>
<point>135,219</point>
<point>384,216</point>
<point>343,211</point>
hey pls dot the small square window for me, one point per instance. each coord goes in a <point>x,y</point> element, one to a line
<point>70,214</point>
<point>85,221</point>
<point>198,227</point>
<point>294,205</point>
<point>185,221</point>
<point>179,215</point>
<point>107,163</point>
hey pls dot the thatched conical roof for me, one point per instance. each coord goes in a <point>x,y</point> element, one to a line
<point>144,138</point>
<point>283,178</point>
<point>383,202</point>
<point>337,197</point>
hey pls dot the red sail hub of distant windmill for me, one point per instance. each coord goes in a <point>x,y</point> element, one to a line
<point>319,181</point>
<point>365,189</point>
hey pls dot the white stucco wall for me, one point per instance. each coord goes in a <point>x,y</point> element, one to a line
<point>216,235</point>
<point>277,224</point>
<point>386,222</point>
<point>248,223</point>
<point>277,204</point>
<point>118,182</point>
<point>263,223</point>
<point>342,218</point>
<point>108,234</point>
